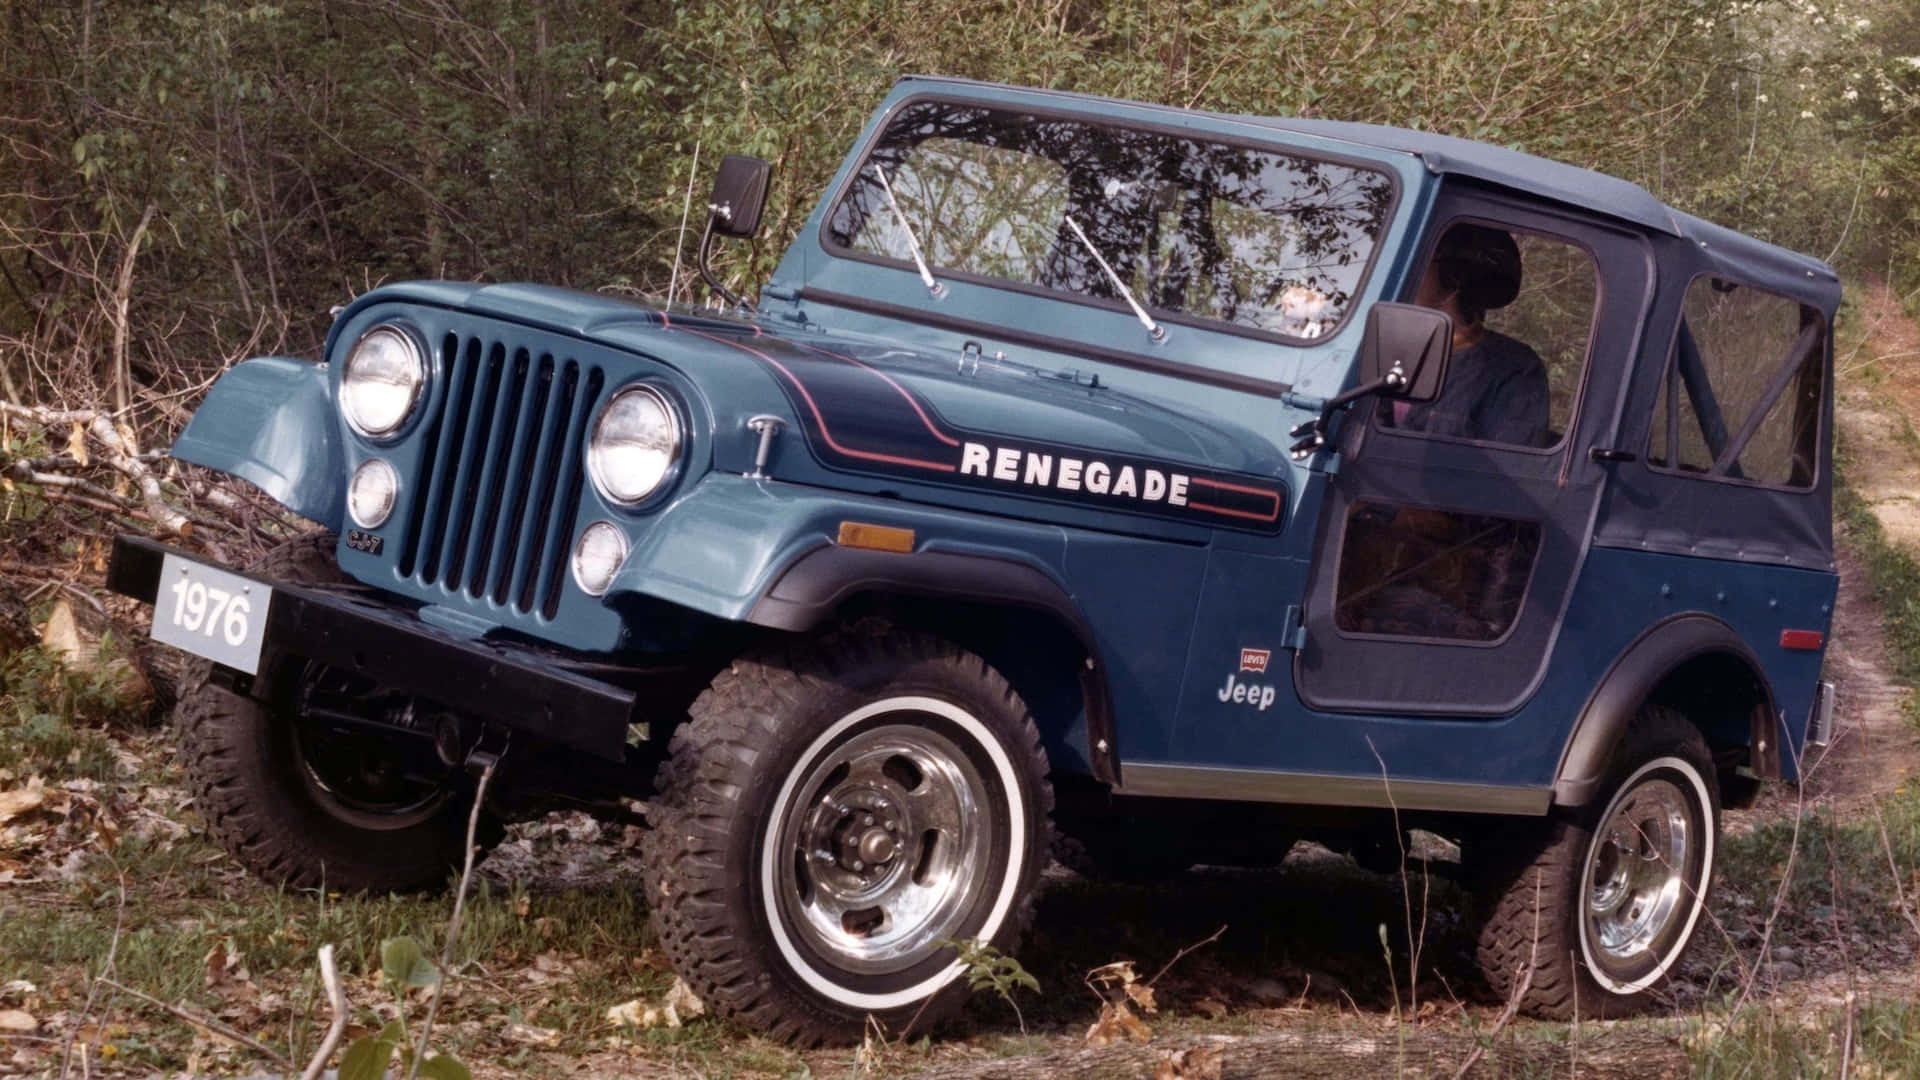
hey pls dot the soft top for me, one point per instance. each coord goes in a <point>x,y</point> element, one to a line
<point>1735,254</point>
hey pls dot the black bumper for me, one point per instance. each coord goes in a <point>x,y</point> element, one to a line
<point>501,682</point>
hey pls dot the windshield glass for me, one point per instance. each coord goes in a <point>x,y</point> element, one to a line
<point>1272,241</point>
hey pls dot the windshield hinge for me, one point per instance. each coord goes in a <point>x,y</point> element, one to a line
<point>1293,633</point>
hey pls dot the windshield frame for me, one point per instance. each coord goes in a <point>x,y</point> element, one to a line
<point>863,157</point>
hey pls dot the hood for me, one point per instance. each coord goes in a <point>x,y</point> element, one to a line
<point>884,408</point>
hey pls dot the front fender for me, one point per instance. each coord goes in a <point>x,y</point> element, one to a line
<point>721,549</point>
<point>271,422</point>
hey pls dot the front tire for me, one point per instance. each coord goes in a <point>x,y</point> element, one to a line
<point>300,805</point>
<point>831,817</point>
<point>1613,895</point>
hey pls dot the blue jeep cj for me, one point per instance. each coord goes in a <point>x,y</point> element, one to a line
<point>1191,483</point>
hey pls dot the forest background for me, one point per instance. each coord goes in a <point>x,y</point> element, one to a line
<point>184,185</point>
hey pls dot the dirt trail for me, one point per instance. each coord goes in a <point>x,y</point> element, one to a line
<point>1879,383</point>
<point>1874,748</point>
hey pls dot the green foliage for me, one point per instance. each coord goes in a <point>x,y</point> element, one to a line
<point>404,966</point>
<point>294,156</point>
<point>988,968</point>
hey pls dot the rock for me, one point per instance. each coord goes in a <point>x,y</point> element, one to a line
<point>1786,953</point>
<point>1786,969</point>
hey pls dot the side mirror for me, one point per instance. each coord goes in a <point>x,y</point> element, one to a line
<point>1404,351</point>
<point>1403,354</point>
<point>739,194</point>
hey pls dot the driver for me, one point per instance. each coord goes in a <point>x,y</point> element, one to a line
<point>1496,387</point>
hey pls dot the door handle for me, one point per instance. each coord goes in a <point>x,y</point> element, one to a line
<point>1604,454</point>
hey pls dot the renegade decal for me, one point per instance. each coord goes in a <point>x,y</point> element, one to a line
<point>857,416</point>
<point>1074,474</point>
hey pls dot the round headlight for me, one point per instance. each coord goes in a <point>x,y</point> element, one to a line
<point>381,381</point>
<point>635,441</point>
<point>371,492</point>
<point>597,557</point>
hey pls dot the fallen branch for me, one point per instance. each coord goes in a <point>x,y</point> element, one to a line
<point>206,1023</point>
<point>337,1001</point>
<point>122,454</point>
<point>453,927</point>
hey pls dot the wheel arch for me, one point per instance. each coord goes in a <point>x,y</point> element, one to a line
<point>1014,615</point>
<point>271,421</point>
<point>1700,666</point>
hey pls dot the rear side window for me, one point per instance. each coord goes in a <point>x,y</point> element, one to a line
<point>1744,389</point>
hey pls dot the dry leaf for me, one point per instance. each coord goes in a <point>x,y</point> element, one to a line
<point>682,999</point>
<point>680,1004</point>
<point>61,636</point>
<point>1142,995</point>
<point>1201,1063</point>
<point>1210,1008</point>
<point>215,963</point>
<point>17,1022</point>
<point>77,444</point>
<point>20,800</point>
<point>529,1035</point>
<point>1117,1022</point>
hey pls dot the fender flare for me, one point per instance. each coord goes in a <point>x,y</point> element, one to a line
<point>815,585</point>
<point>271,422</point>
<point>1631,679</point>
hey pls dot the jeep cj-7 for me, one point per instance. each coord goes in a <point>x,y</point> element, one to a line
<point>1190,483</point>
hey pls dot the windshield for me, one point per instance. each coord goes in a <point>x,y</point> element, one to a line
<point>1255,238</point>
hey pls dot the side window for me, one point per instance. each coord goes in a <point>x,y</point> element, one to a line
<point>1418,572</point>
<point>1744,388</point>
<point>1522,305</point>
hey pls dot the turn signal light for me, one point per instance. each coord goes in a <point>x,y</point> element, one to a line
<point>856,534</point>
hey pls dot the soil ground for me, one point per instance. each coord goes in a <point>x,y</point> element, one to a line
<point>1298,984</point>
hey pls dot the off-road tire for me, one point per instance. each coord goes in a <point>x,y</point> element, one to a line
<point>733,784</point>
<point>243,770</point>
<point>1532,892</point>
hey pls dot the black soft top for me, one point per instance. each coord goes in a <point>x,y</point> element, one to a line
<point>1756,262</point>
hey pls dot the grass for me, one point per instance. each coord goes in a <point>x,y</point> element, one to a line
<point>553,958</point>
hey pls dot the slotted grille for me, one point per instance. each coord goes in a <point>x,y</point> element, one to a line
<point>502,472</point>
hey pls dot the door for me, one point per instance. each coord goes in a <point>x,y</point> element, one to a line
<point>1453,530</point>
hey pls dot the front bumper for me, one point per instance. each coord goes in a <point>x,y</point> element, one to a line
<point>355,629</point>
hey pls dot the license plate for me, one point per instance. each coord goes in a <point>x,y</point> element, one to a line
<point>210,612</point>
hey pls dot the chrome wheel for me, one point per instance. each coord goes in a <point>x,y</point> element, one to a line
<point>1646,868</point>
<point>879,847</point>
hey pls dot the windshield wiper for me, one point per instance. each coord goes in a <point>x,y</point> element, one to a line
<point>935,288</point>
<point>1154,329</point>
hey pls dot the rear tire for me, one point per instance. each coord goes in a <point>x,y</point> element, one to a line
<point>1611,894</point>
<point>829,816</point>
<point>257,778</point>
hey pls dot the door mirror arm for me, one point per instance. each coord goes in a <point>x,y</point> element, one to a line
<point>739,195</point>
<point>1312,434</point>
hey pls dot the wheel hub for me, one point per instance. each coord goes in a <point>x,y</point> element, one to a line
<point>1637,871</point>
<point>885,843</point>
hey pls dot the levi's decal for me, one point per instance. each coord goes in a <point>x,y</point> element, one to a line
<point>859,417</point>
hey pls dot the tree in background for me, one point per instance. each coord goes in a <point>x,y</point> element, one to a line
<point>183,185</point>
